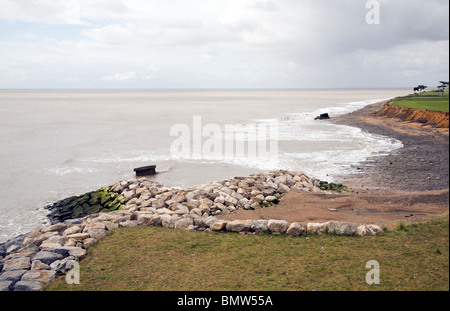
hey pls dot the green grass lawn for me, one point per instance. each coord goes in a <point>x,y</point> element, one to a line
<point>414,257</point>
<point>427,101</point>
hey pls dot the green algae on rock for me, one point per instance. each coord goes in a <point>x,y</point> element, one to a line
<point>102,200</point>
<point>325,186</point>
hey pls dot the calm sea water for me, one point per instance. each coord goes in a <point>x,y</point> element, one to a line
<point>54,144</point>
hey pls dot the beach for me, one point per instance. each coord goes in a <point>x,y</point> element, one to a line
<point>408,185</point>
<point>422,163</point>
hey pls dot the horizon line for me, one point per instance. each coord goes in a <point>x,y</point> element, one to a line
<point>199,88</point>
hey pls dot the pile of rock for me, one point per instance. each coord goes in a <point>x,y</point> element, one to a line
<point>33,260</point>
<point>216,198</point>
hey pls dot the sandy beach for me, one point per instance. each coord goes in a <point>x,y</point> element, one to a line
<point>409,185</point>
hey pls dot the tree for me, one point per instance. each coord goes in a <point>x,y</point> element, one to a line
<point>443,86</point>
<point>420,88</point>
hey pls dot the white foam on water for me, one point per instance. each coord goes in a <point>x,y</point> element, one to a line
<point>345,108</point>
<point>328,164</point>
<point>132,156</point>
<point>348,145</point>
<point>61,171</point>
<point>22,221</point>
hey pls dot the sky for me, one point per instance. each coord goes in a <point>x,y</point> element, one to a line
<point>223,43</point>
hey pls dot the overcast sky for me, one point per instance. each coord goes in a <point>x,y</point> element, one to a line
<point>222,44</point>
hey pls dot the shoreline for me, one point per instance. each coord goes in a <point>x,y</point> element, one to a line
<point>422,163</point>
<point>410,184</point>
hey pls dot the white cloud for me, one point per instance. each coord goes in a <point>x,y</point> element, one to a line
<point>120,76</point>
<point>149,34</point>
<point>61,12</point>
<point>150,73</point>
<point>206,58</point>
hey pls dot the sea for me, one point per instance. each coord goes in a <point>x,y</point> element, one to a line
<point>59,143</point>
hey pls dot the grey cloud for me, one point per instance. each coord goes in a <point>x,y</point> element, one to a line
<point>340,26</point>
<point>265,5</point>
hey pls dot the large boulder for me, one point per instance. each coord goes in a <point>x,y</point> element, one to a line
<point>72,230</point>
<point>185,223</point>
<point>271,198</point>
<point>259,226</point>
<point>229,200</point>
<point>47,257</point>
<point>280,179</point>
<point>64,251</point>
<point>239,226</point>
<point>54,241</point>
<point>77,253</point>
<point>168,221</point>
<point>258,198</point>
<point>220,200</point>
<point>11,245</point>
<point>128,224</point>
<point>316,228</point>
<point>282,188</point>
<point>6,286</point>
<point>78,236</point>
<point>341,228</point>
<point>36,238</point>
<point>28,286</point>
<point>374,229</point>
<point>12,276</point>
<point>42,276</point>
<point>58,227</point>
<point>278,226</point>
<point>2,250</point>
<point>19,263</point>
<point>296,229</point>
<point>39,265</point>
<point>177,198</point>
<point>149,220</point>
<point>361,230</point>
<point>63,265</point>
<point>218,226</point>
<point>347,228</point>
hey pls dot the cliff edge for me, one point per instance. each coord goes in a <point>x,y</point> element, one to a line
<point>437,119</point>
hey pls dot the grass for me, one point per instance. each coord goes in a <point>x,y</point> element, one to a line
<point>427,101</point>
<point>414,257</point>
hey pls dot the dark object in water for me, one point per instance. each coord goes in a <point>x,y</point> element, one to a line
<point>323,116</point>
<point>145,170</point>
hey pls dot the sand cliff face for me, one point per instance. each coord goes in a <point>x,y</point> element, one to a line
<point>436,119</point>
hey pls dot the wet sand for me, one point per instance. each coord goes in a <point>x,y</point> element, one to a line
<point>410,185</point>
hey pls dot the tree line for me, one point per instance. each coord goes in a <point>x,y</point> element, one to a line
<point>441,88</point>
